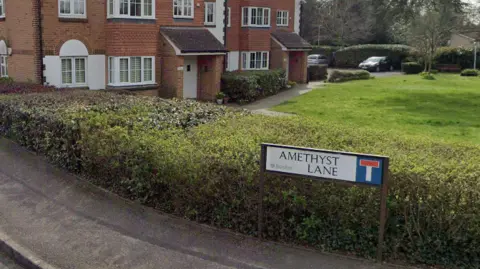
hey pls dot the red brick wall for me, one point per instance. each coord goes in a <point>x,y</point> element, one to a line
<point>19,32</point>
<point>91,31</point>
<point>278,57</point>
<point>171,82</point>
<point>209,80</point>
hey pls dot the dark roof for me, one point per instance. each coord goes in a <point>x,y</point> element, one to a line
<point>193,39</point>
<point>291,40</point>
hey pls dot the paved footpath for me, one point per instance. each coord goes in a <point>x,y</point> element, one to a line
<point>68,223</point>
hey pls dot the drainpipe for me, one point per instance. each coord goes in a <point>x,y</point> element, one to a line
<point>40,40</point>
<point>225,23</point>
<point>475,55</point>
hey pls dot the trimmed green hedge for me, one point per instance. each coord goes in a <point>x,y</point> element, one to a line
<point>327,51</point>
<point>317,72</point>
<point>469,73</point>
<point>248,86</point>
<point>351,57</point>
<point>342,76</point>
<point>462,57</point>
<point>161,153</point>
<point>412,68</point>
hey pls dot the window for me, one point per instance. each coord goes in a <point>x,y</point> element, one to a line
<point>282,18</point>
<point>256,16</point>
<point>2,9</point>
<point>3,66</point>
<point>72,8</point>
<point>229,17</point>
<point>183,8</point>
<point>74,70</point>
<point>256,60</point>
<point>137,9</point>
<point>131,70</point>
<point>210,13</point>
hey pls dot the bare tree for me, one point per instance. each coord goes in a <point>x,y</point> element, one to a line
<point>429,30</point>
<point>344,22</point>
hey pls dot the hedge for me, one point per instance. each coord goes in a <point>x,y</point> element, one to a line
<point>328,51</point>
<point>342,76</point>
<point>317,72</point>
<point>351,57</point>
<point>162,154</point>
<point>8,86</point>
<point>462,57</point>
<point>412,68</point>
<point>248,86</point>
<point>469,73</point>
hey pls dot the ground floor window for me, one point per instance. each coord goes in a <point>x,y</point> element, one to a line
<point>255,60</point>
<point>3,66</point>
<point>74,70</point>
<point>137,70</point>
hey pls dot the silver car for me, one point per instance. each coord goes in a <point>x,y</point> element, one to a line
<point>316,59</point>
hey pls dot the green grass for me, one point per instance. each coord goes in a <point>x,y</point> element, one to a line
<point>447,108</point>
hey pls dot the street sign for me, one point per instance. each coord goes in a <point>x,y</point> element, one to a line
<point>337,166</point>
<point>324,164</point>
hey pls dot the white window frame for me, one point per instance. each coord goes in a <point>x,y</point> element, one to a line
<point>115,13</point>
<point>4,66</point>
<point>282,17</point>
<point>229,22</point>
<point>74,75</point>
<point>181,6</point>
<point>214,7</point>
<point>2,13</point>
<point>252,16</point>
<point>115,70</point>
<point>72,9</point>
<point>247,59</point>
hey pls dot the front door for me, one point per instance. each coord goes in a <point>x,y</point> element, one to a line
<point>190,73</point>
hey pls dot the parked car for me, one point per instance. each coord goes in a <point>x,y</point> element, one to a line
<point>377,64</point>
<point>316,59</point>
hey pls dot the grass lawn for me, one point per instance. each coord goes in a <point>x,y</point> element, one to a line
<point>447,108</point>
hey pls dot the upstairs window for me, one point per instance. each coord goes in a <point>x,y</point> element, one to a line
<point>210,13</point>
<point>135,9</point>
<point>183,9</point>
<point>256,16</point>
<point>72,8</point>
<point>2,9</point>
<point>282,18</point>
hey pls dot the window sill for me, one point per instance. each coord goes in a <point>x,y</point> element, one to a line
<point>2,18</point>
<point>132,20</point>
<point>257,27</point>
<point>138,87</point>
<point>284,26</point>
<point>183,17</point>
<point>75,86</point>
<point>209,25</point>
<point>72,19</point>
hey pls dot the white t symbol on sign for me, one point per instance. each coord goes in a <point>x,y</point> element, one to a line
<point>369,165</point>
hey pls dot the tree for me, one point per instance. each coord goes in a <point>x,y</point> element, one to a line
<point>430,30</point>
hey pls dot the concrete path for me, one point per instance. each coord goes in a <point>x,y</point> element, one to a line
<point>68,223</point>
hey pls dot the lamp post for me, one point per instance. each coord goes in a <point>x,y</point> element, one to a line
<point>475,55</point>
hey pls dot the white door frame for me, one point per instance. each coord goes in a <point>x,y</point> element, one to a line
<point>190,77</point>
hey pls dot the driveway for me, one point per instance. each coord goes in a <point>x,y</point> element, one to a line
<point>375,74</point>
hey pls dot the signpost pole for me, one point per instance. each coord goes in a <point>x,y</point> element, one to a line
<point>383,210</point>
<point>261,190</point>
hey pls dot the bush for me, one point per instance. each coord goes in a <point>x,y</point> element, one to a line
<point>462,57</point>
<point>317,72</point>
<point>354,55</point>
<point>427,76</point>
<point>342,76</point>
<point>248,86</point>
<point>328,51</point>
<point>411,68</point>
<point>8,86</point>
<point>469,73</point>
<point>160,153</point>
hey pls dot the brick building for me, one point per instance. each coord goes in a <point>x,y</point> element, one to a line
<point>177,48</point>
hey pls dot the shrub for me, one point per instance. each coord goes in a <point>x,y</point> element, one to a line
<point>342,76</point>
<point>469,73</point>
<point>250,85</point>
<point>317,72</point>
<point>463,57</point>
<point>427,76</point>
<point>7,86</point>
<point>411,68</point>
<point>157,152</point>
<point>354,55</point>
<point>328,51</point>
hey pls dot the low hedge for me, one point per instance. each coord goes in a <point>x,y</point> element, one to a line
<point>342,76</point>
<point>351,57</point>
<point>463,57</point>
<point>317,72</point>
<point>157,152</point>
<point>469,73</point>
<point>412,68</point>
<point>248,86</point>
<point>8,86</point>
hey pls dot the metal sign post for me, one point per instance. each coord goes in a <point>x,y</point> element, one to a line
<point>352,169</point>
